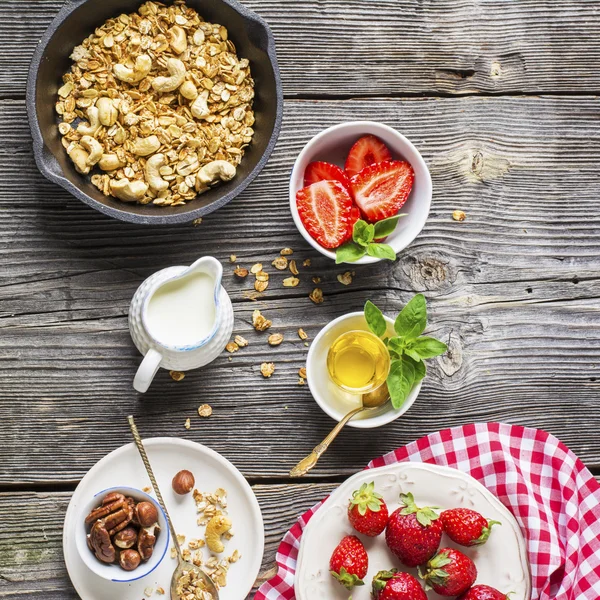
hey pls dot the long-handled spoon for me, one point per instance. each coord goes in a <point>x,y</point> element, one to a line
<point>369,401</point>
<point>182,564</point>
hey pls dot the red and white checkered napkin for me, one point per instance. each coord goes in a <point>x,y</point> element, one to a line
<point>553,496</point>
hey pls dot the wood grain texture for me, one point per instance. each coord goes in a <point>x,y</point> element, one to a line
<point>402,46</point>
<point>514,290</point>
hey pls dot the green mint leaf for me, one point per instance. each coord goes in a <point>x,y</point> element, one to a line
<point>400,382</point>
<point>386,227</point>
<point>412,320</point>
<point>363,233</point>
<point>349,252</point>
<point>425,347</point>
<point>381,251</point>
<point>374,319</point>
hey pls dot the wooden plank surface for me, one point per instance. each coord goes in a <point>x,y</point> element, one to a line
<point>402,46</point>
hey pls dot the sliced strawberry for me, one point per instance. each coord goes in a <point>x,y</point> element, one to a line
<point>382,189</point>
<point>354,216</point>
<point>324,208</point>
<point>367,151</point>
<point>323,171</point>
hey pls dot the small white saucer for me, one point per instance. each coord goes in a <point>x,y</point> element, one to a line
<point>333,400</point>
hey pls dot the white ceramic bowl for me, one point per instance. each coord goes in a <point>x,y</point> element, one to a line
<point>333,145</point>
<point>332,399</point>
<point>114,572</point>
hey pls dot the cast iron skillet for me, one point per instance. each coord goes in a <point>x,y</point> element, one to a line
<point>78,19</point>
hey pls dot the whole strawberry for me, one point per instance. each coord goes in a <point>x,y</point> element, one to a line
<point>367,512</point>
<point>349,562</point>
<point>413,534</point>
<point>392,585</point>
<point>483,592</point>
<point>450,572</point>
<point>466,527</point>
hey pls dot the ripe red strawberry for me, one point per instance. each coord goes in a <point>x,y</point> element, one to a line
<point>450,572</point>
<point>392,585</point>
<point>382,189</point>
<point>366,151</point>
<point>349,562</point>
<point>324,208</point>
<point>483,592</point>
<point>466,527</point>
<point>413,534</point>
<point>323,171</point>
<point>368,513</point>
<point>354,216</point>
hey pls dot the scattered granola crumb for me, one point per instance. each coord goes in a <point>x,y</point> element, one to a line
<point>280,263</point>
<point>188,424</point>
<point>459,215</point>
<point>302,334</point>
<point>148,592</point>
<point>240,272</point>
<point>345,278</point>
<point>160,591</point>
<point>173,552</point>
<point>176,375</point>
<point>307,263</point>
<point>242,342</point>
<point>293,267</point>
<point>230,358</point>
<point>306,344</point>
<point>316,280</point>
<point>275,339</point>
<point>232,347</point>
<point>267,369</point>
<point>261,286</point>
<point>181,539</point>
<point>234,557</point>
<point>316,295</point>
<point>262,276</point>
<point>302,372</point>
<point>232,258</point>
<point>286,252</point>
<point>257,268</point>
<point>260,323</point>
<point>301,381</point>
<point>197,222</point>
<point>205,410</point>
<point>291,282</point>
<point>147,489</point>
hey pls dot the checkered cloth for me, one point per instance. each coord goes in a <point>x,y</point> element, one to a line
<point>553,496</point>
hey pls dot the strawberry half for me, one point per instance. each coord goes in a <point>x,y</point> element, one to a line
<point>483,592</point>
<point>392,585</point>
<point>349,562</point>
<point>325,208</point>
<point>450,572</point>
<point>354,216</point>
<point>367,512</point>
<point>324,171</point>
<point>466,527</point>
<point>382,189</point>
<point>366,151</point>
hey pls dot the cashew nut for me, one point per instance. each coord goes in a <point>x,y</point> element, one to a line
<point>177,39</point>
<point>199,107</point>
<point>188,90</point>
<point>107,112</point>
<point>216,527</point>
<point>176,77</point>
<point>218,169</point>
<point>153,165</point>
<point>143,65</point>
<point>110,162</point>
<point>145,146</point>
<point>80,159</point>
<point>128,191</point>
<point>94,122</point>
<point>94,149</point>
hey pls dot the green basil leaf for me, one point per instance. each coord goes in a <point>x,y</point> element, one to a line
<point>375,320</point>
<point>386,227</point>
<point>349,252</point>
<point>419,367</point>
<point>381,251</point>
<point>397,345</point>
<point>400,382</point>
<point>426,347</point>
<point>413,354</point>
<point>412,320</point>
<point>363,233</point>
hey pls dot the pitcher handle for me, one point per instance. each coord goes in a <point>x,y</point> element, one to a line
<point>147,370</point>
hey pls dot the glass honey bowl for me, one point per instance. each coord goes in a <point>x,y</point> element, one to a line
<point>358,362</point>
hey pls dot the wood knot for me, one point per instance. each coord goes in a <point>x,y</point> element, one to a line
<point>429,273</point>
<point>452,361</point>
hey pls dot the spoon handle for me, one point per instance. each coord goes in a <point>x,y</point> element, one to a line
<point>306,464</point>
<point>146,461</point>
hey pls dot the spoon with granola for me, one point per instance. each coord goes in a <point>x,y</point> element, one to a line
<point>188,580</point>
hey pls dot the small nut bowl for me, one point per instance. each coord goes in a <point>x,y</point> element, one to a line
<point>114,572</point>
<point>332,399</point>
<point>332,145</point>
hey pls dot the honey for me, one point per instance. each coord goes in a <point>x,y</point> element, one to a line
<point>358,362</point>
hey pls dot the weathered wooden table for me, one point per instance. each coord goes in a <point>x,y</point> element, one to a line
<point>498,95</point>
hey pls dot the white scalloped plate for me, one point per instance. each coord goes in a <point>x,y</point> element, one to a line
<point>123,467</point>
<point>501,562</point>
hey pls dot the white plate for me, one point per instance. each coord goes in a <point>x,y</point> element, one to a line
<point>501,562</point>
<point>123,467</point>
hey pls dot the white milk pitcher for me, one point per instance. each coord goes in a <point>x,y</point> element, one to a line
<point>180,318</point>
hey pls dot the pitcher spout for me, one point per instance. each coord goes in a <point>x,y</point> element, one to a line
<point>211,267</point>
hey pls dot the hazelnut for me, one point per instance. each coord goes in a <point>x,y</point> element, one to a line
<point>183,482</point>
<point>129,560</point>
<point>126,538</point>
<point>146,514</point>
